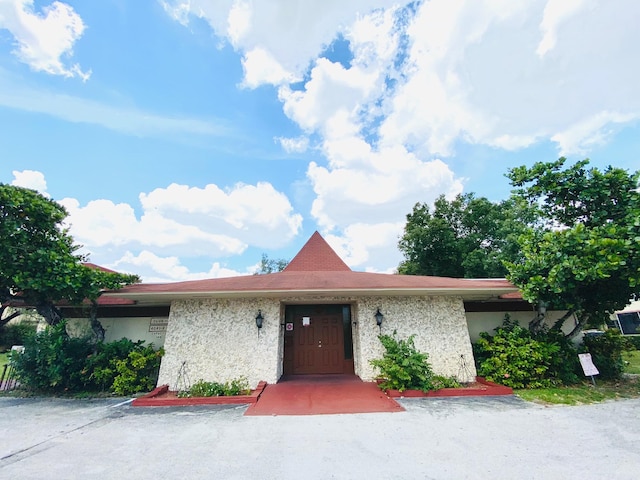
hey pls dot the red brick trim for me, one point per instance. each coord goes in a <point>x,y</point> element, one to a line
<point>489,388</point>
<point>162,397</point>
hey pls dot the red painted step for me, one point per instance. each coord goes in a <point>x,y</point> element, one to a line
<point>322,395</point>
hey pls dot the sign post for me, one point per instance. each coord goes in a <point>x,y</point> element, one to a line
<point>588,367</point>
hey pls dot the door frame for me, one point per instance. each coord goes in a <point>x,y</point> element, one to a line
<point>309,309</point>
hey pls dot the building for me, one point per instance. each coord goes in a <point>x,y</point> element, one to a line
<point>315,317</point>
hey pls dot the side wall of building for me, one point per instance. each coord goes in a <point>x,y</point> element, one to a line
<point>219,341</point>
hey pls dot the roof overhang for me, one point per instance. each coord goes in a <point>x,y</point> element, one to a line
<point>169,296</point>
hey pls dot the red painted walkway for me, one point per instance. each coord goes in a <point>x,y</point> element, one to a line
<point>322,395</point>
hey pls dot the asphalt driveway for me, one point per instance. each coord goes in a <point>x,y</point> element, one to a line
<point>437,438</point>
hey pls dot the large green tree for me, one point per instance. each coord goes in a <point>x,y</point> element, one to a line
<point>464,237</point>
<point>584,254</point>
<point>39,266</point>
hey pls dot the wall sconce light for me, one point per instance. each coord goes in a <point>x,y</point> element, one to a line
<point>259,320</point>
<point>379,317</point>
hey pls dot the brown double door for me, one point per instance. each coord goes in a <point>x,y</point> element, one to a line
<point>314,342</point>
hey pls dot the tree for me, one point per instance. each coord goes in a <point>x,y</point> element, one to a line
<point>38,263</point>
<point>584,254</point>
<point>465,237</point>
<point>269,265</point>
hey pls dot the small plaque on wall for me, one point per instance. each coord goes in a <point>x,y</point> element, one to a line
<point>289,326</point>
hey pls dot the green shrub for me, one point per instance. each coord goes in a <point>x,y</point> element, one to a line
<point>440,382</point>
<point>52,360</point>
<point>138,371</point>
<point>606,352</point>
<point>402,367</point>
<point>101,366</point>
<point>634,341</point>
<point>512,357</point>
<point>15,334</point>
<point>564,366</point>
<point>238,386</point>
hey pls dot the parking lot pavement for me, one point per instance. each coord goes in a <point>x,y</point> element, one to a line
<point>438,438</point>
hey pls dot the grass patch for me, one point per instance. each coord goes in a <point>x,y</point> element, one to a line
<point>583,393</point>
<point>633,359</point>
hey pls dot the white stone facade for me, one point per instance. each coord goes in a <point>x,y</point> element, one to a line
<point>218,338</point>
<point>438,323</point>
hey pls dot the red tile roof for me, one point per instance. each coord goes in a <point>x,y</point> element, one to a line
<point>317,269</point>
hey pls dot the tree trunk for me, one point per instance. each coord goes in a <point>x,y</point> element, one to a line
<point>49,312</point>
<point>96,326</point>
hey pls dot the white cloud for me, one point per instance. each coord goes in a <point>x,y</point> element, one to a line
<point>294,145</point>
<point>260,67</point>
<point>591,132</point>
<point>180,222</point>
<point>423,79</point>
<point>293,32</point>
<point>44,38</point>
<point>555,13</point>
<point>155,269</point>
<point>257,214</point>
<point>368,244</point>
<point>30,179</point>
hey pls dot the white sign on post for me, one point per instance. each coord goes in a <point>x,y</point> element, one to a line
<point>588,367</point>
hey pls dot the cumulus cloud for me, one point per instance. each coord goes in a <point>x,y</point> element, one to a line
<point>157,269</point>
<point>177,223</point>
<point>30,179</point>
<point>419,80</point>
<point>44,38</point>
<point>292,32</point>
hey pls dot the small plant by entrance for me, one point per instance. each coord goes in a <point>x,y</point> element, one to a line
<point>237,386</point>
<point>403,367</point>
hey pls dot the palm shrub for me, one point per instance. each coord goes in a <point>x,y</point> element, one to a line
<point>402,367</point>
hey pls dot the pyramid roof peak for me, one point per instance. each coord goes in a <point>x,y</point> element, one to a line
<point>317,256</point>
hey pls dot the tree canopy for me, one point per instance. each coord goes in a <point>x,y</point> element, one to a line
<point>464,237</point>
<point>583,256</point>
<point>271,265</point>
<point>39,266</point>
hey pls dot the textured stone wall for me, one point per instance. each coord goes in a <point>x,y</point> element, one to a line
<point>218,339</point>
<point>439,325</point>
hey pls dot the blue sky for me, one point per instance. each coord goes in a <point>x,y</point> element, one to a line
<point>186,138</point>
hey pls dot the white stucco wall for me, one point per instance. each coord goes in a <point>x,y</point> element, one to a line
<point>218,339</point>
<point>439,325</point>
<point>487,321</point>
<point>133,328</point>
